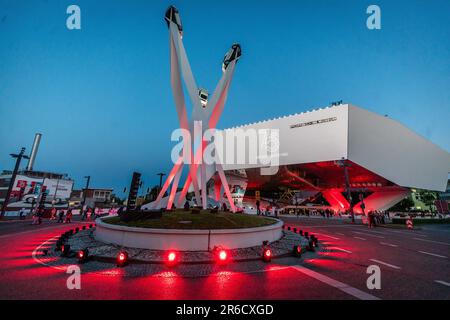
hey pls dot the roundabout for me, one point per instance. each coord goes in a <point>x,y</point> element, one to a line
<point>189,264</point>
<point>186,231</point>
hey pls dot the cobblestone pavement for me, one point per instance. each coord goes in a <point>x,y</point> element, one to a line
<point>151,262</point>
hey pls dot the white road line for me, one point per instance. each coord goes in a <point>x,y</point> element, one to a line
<point>341,234</point>
<point>389,244</point>
<point>368,234</point>
<point>37,229</point>
<point>35,252</point>
<point>340,249</point>
<point>385,263</point>
<point>360,238</point>
<point>443,282</point>
<point>373,231</point>
<point>433,254</point>
<point>432,241</point>
<point>325,235</point>
<point>336,284</point>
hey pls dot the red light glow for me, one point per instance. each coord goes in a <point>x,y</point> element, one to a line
<point>222,255</point>
<point>268,253</point>
<point>171,257</point>
<point>121,256</point>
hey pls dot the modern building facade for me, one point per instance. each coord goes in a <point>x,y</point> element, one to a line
<point>383,158</point>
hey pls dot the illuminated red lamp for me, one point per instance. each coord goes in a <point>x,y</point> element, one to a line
<point>83,255</point>
<point>65,250</point>
<point>267,255</point>
<point>122,259</point>
<point>223,255</point>
<point>297,251</point>
<point>172,258</point>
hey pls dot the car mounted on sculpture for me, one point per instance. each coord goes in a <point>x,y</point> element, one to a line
<point>233,54</point>
<point>172,15</point>
<point>203,94</point>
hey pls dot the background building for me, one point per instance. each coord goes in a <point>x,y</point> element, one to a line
<point>94,197</point>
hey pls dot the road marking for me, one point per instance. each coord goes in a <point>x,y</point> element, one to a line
<point>341,234</point>
<point>37,229</point>
<point>325,235</point>
<point>373,231</point>
<point>360,238</point>
<point>433,254</point>
<point>385,263</point>
<point>368,234</point>
<point>443,282</point>
<point>340,249</point>
<point>35,252</point>
<point>336,284</point>
<point>439,242</point>
<point>389,244</point>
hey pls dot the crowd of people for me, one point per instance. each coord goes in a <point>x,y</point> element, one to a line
<point>374,218</point>
<point>62,215</point>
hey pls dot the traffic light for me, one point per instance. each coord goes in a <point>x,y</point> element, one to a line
<point>134,188</point>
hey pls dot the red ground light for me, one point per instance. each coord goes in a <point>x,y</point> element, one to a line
<point>267,255</point>
<point>171,257</point>
<point>122,259</point>
<point>223,255</point>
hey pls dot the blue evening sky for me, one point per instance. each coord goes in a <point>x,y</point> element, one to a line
<point>101,95</point>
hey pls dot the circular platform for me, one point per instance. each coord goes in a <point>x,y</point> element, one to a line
<point>186,239</point>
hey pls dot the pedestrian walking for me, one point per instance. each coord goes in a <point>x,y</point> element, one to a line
<point>258,207</point>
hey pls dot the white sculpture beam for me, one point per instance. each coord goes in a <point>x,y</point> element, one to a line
<point>203,111</point>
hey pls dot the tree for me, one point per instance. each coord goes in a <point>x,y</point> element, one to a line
<point>404,205</point>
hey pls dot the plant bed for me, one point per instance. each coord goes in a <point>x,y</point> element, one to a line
<point>203,220</point>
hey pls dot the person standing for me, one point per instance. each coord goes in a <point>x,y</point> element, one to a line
<point>258,207</point>
<point>84,213</point>
<point>69,216</point>
<point>53,214</point>
<point>371,220</point>
<point>39,215</point>
<point>21,213</point>
<point>60,216</point>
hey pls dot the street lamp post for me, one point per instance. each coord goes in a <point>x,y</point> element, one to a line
<point>88,179</point>
<point>345,165</point>
<point>161,175</point>
<point>13,178</point>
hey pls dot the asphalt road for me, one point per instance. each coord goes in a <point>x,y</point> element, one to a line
<point>414,265</point>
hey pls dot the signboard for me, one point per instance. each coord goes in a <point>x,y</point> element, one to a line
<point>27,191</point>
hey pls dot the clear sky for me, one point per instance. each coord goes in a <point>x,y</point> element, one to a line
<point>101,95</point>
